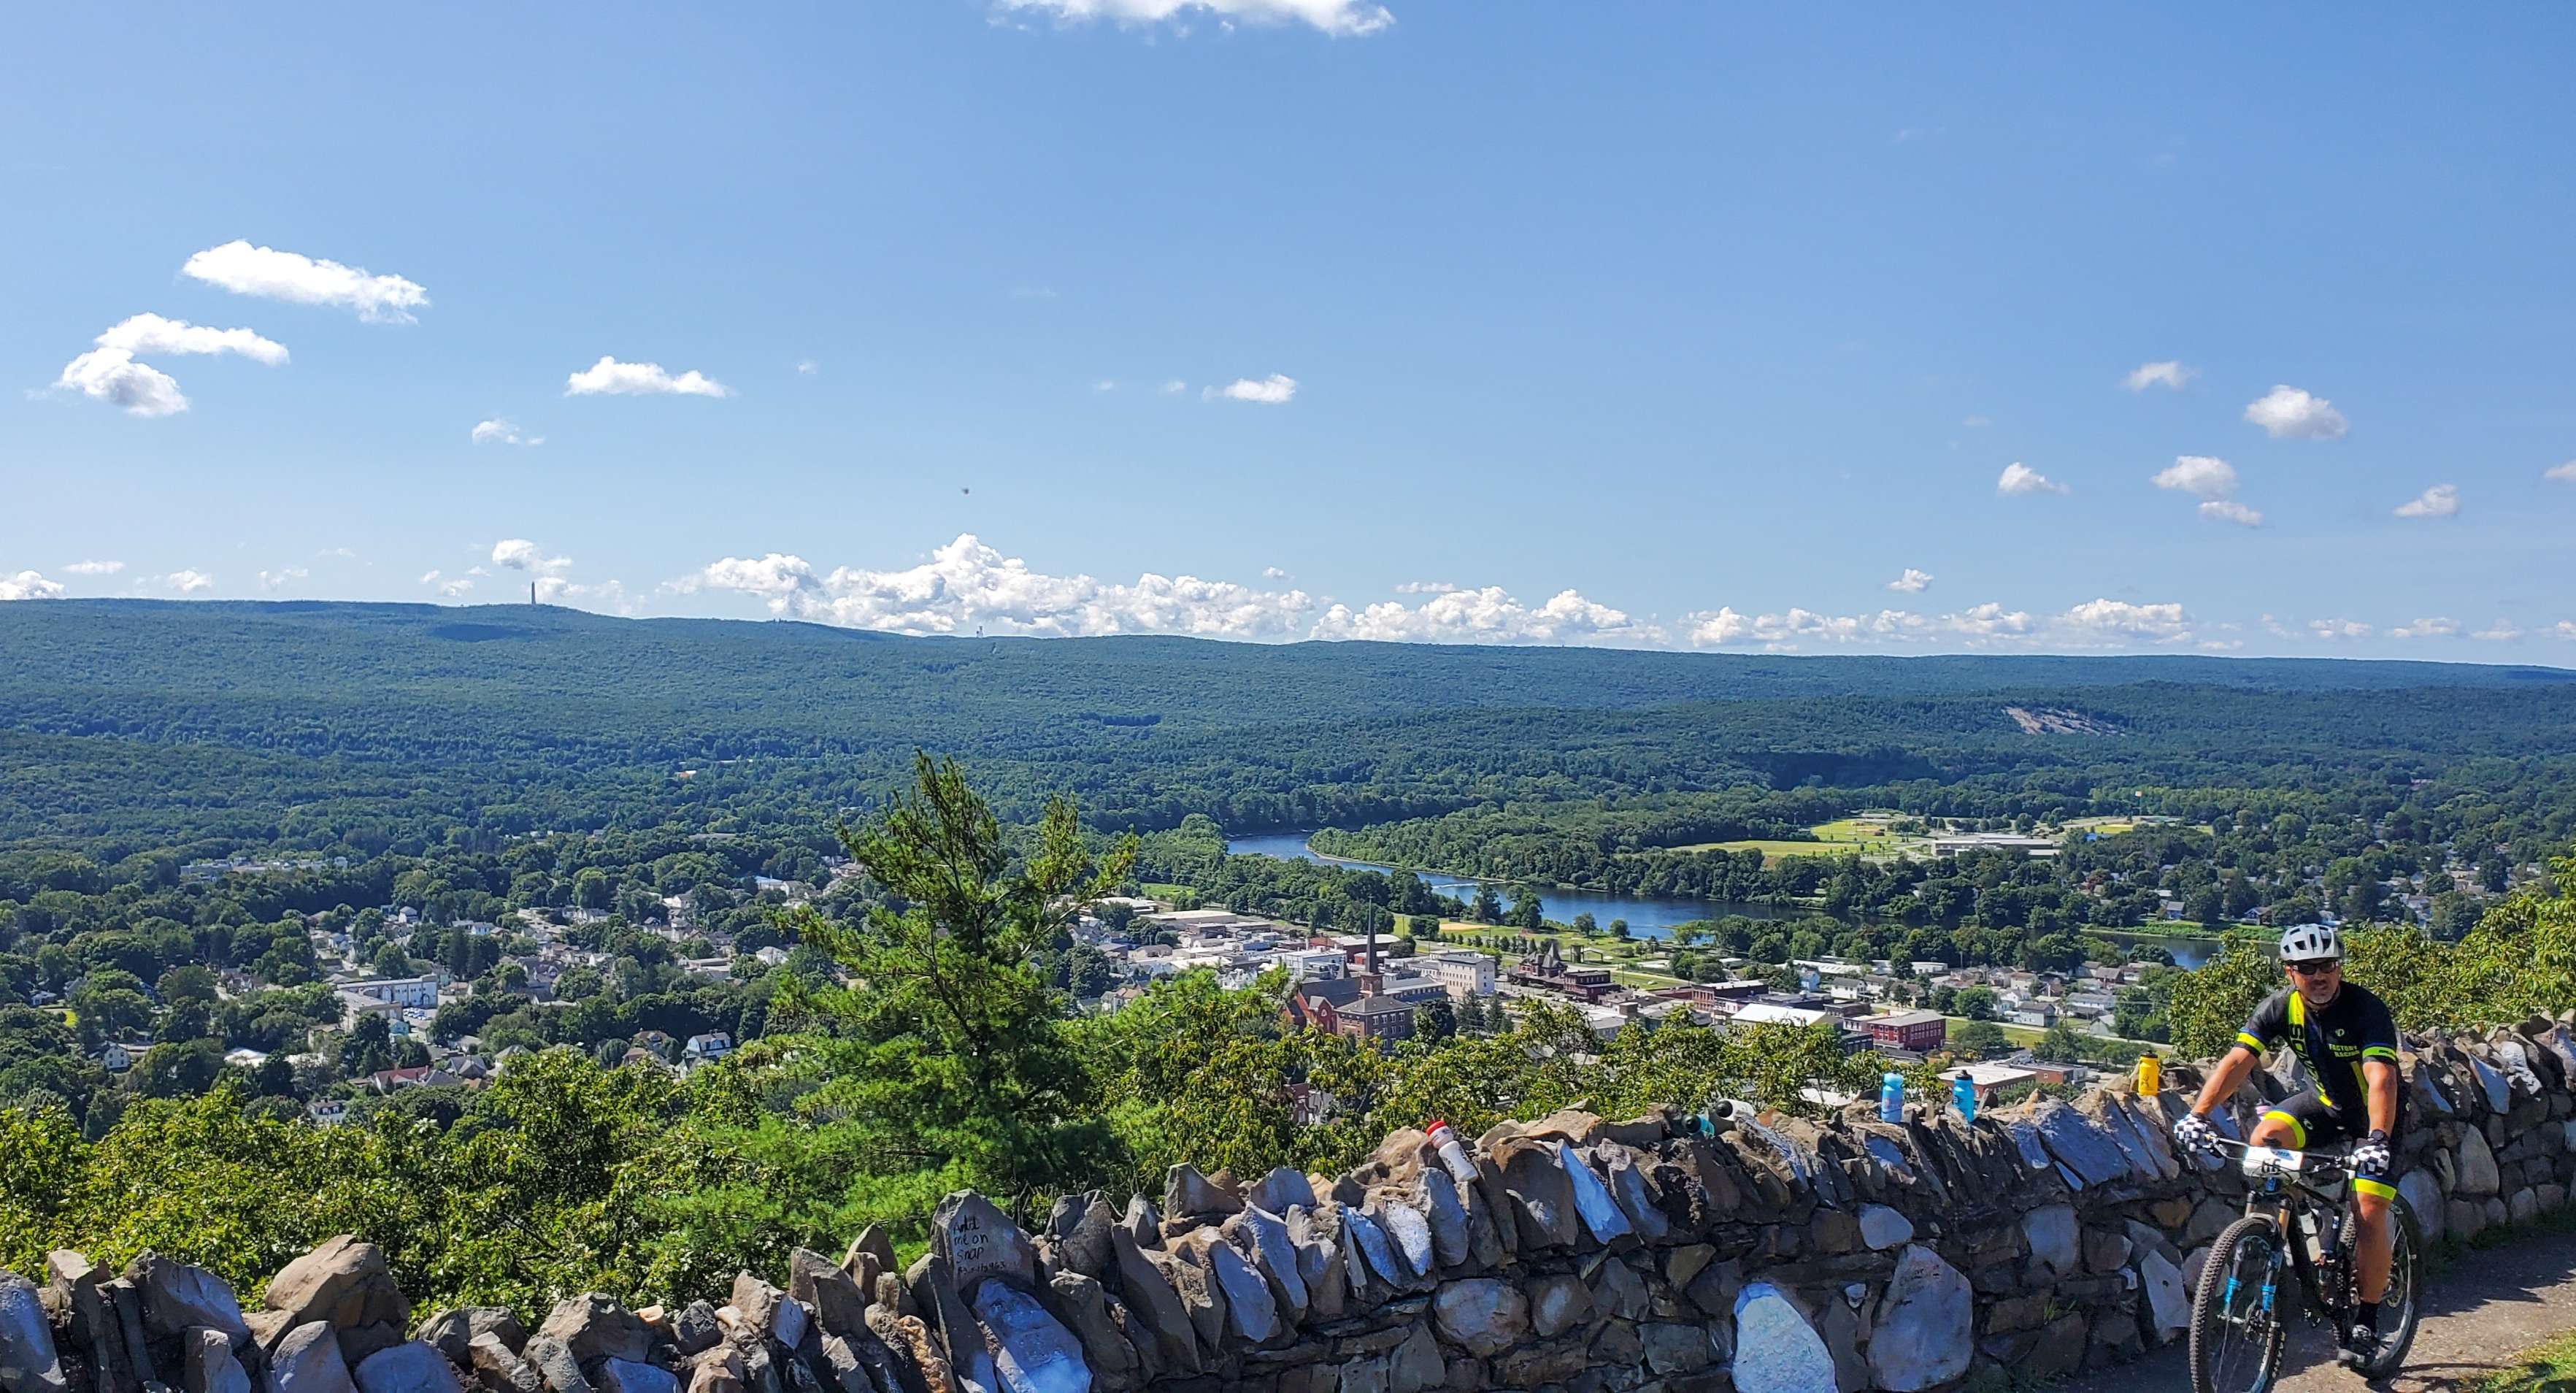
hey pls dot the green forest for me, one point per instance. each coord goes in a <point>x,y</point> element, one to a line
<point>211,812</point>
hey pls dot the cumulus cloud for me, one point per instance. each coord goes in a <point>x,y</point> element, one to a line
<point>2118,621</point>
<point>2566,628</point>
<point>807,367</point>
<point>2202,476</point>
<point>609,377</point>
<point>1978,626</point>
<point>2019,479</point>
<point>2334,629</point>
<point>1274,390</point>
<point>451,587</point>
<point>2439,501</point>
<point>1273,573</point>
<point>1426,587</point>
<point>270,580</point>
<point>520,554</point>
<point>271,274</point>
<point>1339,18</point>
<point>2286,413</point>
<point>1913,582</point>
<point>2501,631</point>
<point>188,582</point>
<point>968,587</point>
<point>95,568</point>
<point>2564,473</point>
<point>1488,615</point>
<point>28,585</point>
<point>501,430</point>
<point>2165,374</point>
<point>2427,628</point>
<point>110,372</point>
<point>2213,481</point>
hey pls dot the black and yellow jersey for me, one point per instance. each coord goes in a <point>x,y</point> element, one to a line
<point>2332,1041</point>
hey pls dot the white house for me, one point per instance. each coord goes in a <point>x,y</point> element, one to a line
<point>715,1044</point>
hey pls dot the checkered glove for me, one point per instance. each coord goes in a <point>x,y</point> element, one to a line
<point>2371,1159</point>
<point>2196,1134</point>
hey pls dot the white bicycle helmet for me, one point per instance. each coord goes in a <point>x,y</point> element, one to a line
<point>2302,943</point>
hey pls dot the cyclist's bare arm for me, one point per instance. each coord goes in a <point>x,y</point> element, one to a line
<point>2382,1077</point>
<point>2230,1071</point>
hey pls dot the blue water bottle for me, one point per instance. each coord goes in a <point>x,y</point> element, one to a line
<point>1964,1094</point>
<point>1891,1098</point>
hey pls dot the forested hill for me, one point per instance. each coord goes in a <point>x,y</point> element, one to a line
<point>318,723</point>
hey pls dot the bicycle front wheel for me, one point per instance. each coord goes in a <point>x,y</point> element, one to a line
<point>2236,1329</point>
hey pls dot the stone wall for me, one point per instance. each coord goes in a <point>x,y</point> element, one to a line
<point>1778,1257</point>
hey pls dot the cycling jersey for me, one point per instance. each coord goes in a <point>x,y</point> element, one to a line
<point>2332,1041</point>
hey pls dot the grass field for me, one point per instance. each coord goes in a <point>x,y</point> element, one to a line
<point>2547,1367</point>
<point>1865,835</point>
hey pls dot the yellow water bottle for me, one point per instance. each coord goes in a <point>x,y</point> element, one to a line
<point>2150,1074</point>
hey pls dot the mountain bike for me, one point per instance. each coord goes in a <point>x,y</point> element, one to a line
<point>2300,1218</point>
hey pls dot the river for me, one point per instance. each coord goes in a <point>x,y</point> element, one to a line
<point>1647,916</point>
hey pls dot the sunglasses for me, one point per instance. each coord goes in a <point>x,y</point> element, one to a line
<point>2316,969</point>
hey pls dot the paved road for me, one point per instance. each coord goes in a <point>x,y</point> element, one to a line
<point>2481,1310</point>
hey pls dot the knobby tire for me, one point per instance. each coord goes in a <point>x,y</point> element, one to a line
<point>2250,1249</point>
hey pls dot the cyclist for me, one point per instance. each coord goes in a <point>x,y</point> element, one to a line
<point>2347,1040</point>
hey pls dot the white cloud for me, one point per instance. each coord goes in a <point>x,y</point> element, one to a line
<point>110,373</point>
<point>1105,385</point>
<point>2566,628</point>
<point>2427,628</point>
<point>27,585</point>
<point>1990,621</point>
<point>337,553</point>
<point>2439,501</point>
<point>1977,422</point>
<point>449,587</point>
<point>1339,18</point>
<point>807,367</point>
<point>968,587</point>
<point>501,430</point>
<point>2229,510</point>
<point>2019,479</point>
<point>270,580</point>
<point>188,582</point>
<point>95,568</point>
<point>2332,629</point>
<point>243,269</point>
<point>2202,476</point>
<point>2165,374</point>
<point>1913,582</point>
<point>2114,621</point>
<point>1175,387</point>
<point>1489,615</point>
<point>2286,413</point>
<point>1273,573</point>
<point>1724,626</point>
<point>1274,390</point>
<point>2501,631</point>
<point>609,377</point>
<point>1426,587</point>
<point>520,554</point>
<point>2564,473</point>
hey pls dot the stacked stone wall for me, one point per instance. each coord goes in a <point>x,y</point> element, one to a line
<point>1585,1255</point>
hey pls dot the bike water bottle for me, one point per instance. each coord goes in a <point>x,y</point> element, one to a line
<point>1964,1094</point>
<point>2150,1075</point>
<point>1891,1098</point>
<point>1453,1156</point>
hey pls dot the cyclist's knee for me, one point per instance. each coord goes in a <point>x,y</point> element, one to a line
<point>2374,1208</point>
<point>2271,1130</point>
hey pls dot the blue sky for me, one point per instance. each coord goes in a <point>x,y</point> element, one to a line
<point>1668,325</point>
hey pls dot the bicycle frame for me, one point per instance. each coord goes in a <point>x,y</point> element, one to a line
<point>2322,1261</point>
